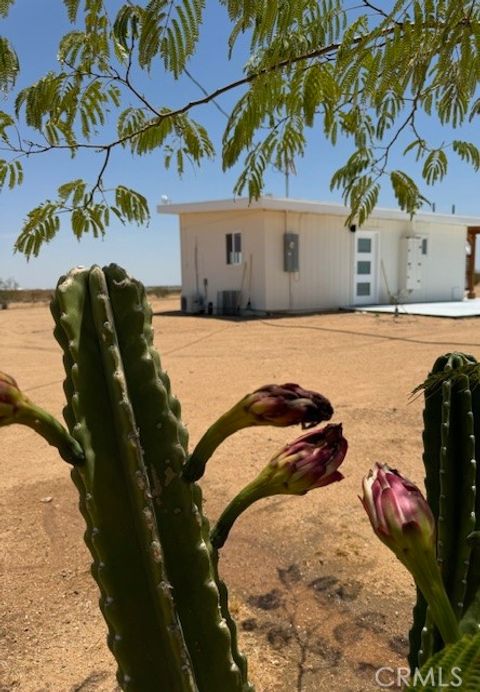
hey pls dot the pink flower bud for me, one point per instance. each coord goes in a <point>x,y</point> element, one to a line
<point>311,461</point>
<point>398,512</point>
<point>403,520</point>
<point>287,404</point>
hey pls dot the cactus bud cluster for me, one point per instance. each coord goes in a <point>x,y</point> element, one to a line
<point>272,404</point>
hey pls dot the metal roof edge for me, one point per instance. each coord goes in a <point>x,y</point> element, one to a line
<point>306,206</point>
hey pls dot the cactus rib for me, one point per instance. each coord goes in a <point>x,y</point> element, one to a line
<point>117,274</point>
<point>178,519</point>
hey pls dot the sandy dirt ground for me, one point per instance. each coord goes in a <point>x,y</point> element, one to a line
<point>321,604</point>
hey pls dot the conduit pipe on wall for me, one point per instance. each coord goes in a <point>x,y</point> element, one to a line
<point>290,288</point>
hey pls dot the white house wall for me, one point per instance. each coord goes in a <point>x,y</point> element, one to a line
<point>206,232</point>
<point>326,261</point>
<point>442,269</point>
<point>445,265</point>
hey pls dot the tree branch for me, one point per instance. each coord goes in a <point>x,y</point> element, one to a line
<point>99,183</point>
<point>378,10</point>
<point>204,91</point>
<point>324,51</point>
<point>211,96</point>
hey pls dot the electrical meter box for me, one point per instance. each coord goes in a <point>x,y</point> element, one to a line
<point>290,252</point>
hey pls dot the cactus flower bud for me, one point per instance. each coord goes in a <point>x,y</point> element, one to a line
<point>272,404</point>
<point>10,398</point>
<point>398,512</point>
<point>403,520</point>
<point>309,462</point>
<point>287,404</point>
<point>15,407</point>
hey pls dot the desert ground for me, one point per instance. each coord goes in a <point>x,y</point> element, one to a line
<point>320,603</point>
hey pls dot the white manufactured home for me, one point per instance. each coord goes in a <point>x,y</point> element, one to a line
<point>291,255</point>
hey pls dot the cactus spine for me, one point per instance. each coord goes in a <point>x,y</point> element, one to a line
<point>165,607</point>
<point>451,437</point>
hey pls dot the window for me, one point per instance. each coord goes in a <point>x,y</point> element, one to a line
<point>364,267</point>
<point>364,245</point>
<point>234,248</point>
<point>424,246</point>
<point>363,288</point>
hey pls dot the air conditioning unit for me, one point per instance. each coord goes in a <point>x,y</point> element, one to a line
<point>228,302</point>
<point>192,305</point>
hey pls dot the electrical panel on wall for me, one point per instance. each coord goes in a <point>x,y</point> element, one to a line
<point>290,252</point>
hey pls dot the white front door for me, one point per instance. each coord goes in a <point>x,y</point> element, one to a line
<point>365,270</point>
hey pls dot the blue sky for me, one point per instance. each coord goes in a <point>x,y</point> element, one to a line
<point>152,254</point>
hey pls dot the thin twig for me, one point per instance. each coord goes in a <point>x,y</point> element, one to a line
<point>99,185</point>
<point>205,92</point>
<point>378,10</point>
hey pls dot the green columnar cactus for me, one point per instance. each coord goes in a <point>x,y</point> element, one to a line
<point>451,437</point>
<point>161,597</point>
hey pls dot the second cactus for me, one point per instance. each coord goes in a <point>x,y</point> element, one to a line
<point>451,441</point>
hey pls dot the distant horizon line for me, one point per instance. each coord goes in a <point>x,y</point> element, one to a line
<point>168,287</point>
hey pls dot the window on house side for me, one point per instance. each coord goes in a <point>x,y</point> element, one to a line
<point>424,246</point>
<point>234,248</point>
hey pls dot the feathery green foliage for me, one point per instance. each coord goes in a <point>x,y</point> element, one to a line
<point>9,64</point>
<point>364,74</point>
<point>11,173</point>
<point>5,7</point>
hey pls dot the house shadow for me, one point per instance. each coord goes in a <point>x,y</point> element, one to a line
<point>248,315</point>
